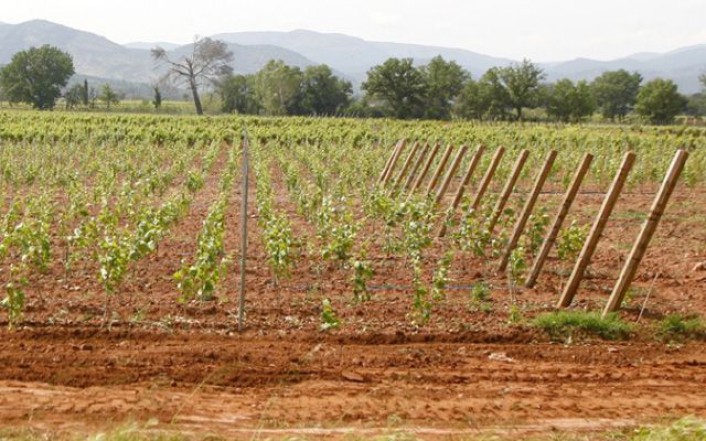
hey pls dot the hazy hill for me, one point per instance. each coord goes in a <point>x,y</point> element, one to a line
<point>93,55</point>
<point>250,59</point>
<point>354,56</point>
<point>682,65</point>
<point>100,58</point>
<point>149,45</point>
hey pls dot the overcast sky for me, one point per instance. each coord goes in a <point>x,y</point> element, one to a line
<point>542,30</point>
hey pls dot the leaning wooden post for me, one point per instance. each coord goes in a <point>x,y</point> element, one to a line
<point>559,220</point>
<point>393,163</point>
<point>485,182</point>
<point>507,191</point>
<point>390,157</point>
<point>415,167</point>
<point>440,169</point>
<point>467,177</point>
<point>243,231</point>
<point>589,247</point>
<point>425,170</point>
<point>648,230</point>
<point>464,183</point>
<point>455,164</point>
<point>407,164</point>
<point>527,209</point>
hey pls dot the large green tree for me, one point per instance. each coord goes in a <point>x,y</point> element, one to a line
<point>207,61</point>
<point>494,95</point>
<point>469,103</point>
<point>399,86</point>
<point>521,81</point>
<point>277,88</point>
<point>615,92</point>
<point>445,81</point>
<point>238,94</point>
<point>570,102</point>
<point>36,76</point>
<point>659,101</point>
<point>483,99</point>
<point>323,93</point>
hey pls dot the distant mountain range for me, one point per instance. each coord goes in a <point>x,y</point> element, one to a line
<point>97,57</point>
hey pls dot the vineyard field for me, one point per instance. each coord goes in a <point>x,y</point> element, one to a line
<point>120,250</point>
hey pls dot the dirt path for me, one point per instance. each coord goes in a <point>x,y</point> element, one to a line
<point>79,380</point>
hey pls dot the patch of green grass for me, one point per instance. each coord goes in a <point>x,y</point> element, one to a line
<point>126,432</point>
<point>686,429</point>
<point>680,327</point>
<point>562,325</point>
<point>134,432</point>
<point>19,435</point>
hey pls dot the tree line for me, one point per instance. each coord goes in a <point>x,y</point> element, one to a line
<point>397,88</point>
<point>444,90</point>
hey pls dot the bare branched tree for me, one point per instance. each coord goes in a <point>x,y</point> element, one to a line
<point>208,60</point>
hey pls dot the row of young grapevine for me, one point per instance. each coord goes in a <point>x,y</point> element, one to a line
<point>105,215</point>
<point>98,193</point>
<point>199,278</point>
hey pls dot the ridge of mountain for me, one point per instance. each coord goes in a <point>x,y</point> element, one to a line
<point>350,57</point>
<point>96,56</point>
<point>149,45</point>
<point>355,56</point>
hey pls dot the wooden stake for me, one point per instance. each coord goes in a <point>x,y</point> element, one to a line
<point>415,168</point>
<point>507,191</point>
<point>467,177</point>
<point>589,247</point>
<point>407,163</point>
<point>450,174</point>
<point>425,170</point>
<point>648,230</point>
<point>485,182</point>
<point>393,163</point>
<point>527,209</point>
<point>392,155</point>
<point>439,169</point>
<point>464,183</point>
<point>559,219</point>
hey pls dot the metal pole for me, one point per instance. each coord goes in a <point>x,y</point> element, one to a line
<point>243,231</point>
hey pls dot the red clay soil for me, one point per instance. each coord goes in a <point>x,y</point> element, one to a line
<point>77,380</point>
<point>467,371</point>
